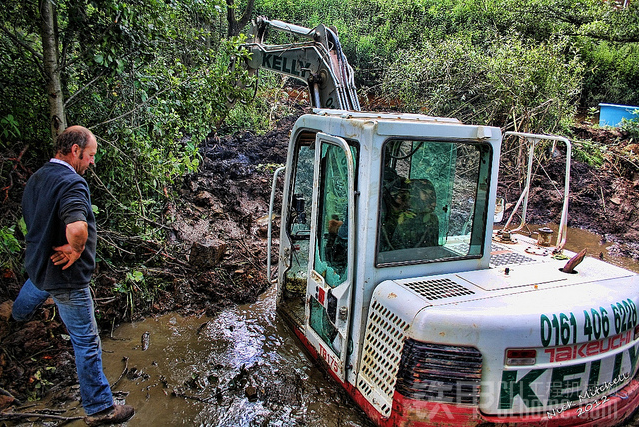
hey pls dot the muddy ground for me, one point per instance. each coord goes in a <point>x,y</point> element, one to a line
<point>216,251</point>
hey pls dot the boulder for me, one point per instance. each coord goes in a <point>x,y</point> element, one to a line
<point>207,255</point>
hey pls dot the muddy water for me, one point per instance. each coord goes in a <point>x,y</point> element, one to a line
<point>201,371</point>
<point>204,371</point>
<point>190,371</point>
<point>578,239</point>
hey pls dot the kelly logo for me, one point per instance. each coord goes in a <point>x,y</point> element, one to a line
<point>282,63</point>
<point>563,384</point>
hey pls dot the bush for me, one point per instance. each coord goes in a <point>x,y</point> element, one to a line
<point>631,126</point>
<point>613,74</point>
<point>532,86</point>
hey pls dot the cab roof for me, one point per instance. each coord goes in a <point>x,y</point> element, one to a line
<point>368,115</point>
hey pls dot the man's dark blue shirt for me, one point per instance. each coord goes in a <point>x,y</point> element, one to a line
<point>54,197</point>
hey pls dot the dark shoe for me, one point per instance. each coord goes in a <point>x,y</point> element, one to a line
<point>110,416</point>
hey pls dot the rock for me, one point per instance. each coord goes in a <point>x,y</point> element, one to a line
<point>207,256</point>
<point>206,199</point>
<point>263,225</point>
<point>251,392</point>
<point>264,220</point>
<point>5,310</point>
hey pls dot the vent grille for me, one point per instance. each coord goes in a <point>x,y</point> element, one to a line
<point>509,259</point>
<point>433,372</point>
<point>382,351</point>
<point>496,247</point>
<point>435,289</point>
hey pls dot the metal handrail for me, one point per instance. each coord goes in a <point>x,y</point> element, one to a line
<point>269,227</point>
<point>533,139</point>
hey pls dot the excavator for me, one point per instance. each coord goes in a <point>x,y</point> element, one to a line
<point>392,276</point>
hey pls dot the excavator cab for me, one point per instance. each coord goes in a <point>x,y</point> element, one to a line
<point>362,204</point>
<point>420,220</point>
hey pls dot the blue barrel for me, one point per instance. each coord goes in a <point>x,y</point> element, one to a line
<point>612,114</point>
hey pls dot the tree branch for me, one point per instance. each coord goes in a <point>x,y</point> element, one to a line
<point>12,415</point>
<point>68,100</point>
<point>147,101</point>
<point>236,25</point>
<point>24,45</point>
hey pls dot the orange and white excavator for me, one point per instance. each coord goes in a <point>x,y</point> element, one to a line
<point>390,272</point>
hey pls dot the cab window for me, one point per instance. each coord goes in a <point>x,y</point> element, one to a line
<point>433,201</point>
<point>331,256</point>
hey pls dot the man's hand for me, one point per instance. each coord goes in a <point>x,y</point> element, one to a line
<point>77,233</point>
<point>65,255</point>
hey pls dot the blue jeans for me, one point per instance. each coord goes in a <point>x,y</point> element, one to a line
<point>76,310</point>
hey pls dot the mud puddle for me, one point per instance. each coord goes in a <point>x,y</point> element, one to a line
<point>240,368</point>
<point>597,247</point>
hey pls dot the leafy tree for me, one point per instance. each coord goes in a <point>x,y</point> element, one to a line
<point>149,78</point>
<point>604,32</point>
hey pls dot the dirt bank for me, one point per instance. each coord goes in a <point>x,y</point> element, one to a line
<point>216,249</point>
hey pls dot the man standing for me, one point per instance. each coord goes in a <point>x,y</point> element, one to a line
<point>60,259</point>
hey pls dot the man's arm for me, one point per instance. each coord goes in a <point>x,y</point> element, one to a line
<point>77,234</point>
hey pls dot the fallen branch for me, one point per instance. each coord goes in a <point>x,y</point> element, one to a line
<point>191,397</point>
<point>17,161</point>
<point>124,372</point>
<point>251,260</point>
<point>4,416</point>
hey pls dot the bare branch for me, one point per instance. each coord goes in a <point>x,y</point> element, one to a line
<point>12,415</point>
<point>68,101</point>
<point>139,106</point>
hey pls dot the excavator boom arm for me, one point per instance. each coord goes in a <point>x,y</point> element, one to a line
<point>319,62</point>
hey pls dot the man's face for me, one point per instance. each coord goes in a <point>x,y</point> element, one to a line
<point>83,158</point>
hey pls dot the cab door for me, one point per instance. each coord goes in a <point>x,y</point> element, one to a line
<point>331,251</point>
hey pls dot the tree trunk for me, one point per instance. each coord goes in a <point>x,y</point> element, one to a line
<point>235,25</point>
<point>48,30</point>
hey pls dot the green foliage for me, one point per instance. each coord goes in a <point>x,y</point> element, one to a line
<point>269,168</point>
<point>613,73</point>
<point>596,40</point>
<point>631,126</point>
<point>134,283</point>
<point>10,248</point>
<point>150,79</point>
<point>258,113</point>
<point>589,152</point>
<point>10,127</point>
<point>162,113</point>
<point>493,83</point>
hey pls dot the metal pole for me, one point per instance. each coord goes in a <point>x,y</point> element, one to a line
<point>271,203</point>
